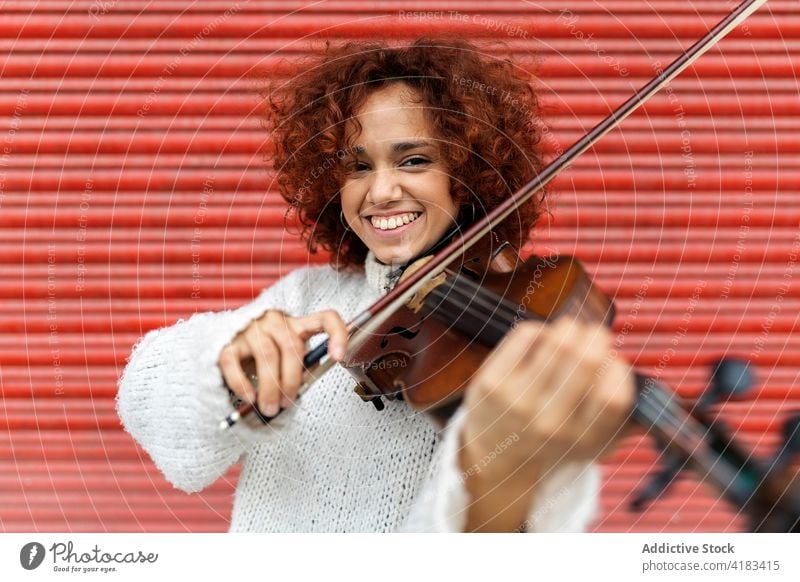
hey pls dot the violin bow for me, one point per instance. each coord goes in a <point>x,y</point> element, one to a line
<point>317,362</point>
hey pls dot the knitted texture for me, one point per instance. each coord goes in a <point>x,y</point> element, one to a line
<point>330,463</point>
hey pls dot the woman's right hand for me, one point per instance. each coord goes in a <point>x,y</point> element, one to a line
<point>276,342</point>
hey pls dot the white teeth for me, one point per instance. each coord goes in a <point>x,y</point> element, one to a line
<point>394,221</point>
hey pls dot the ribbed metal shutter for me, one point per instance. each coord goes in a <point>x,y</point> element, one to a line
<point>132,194</point>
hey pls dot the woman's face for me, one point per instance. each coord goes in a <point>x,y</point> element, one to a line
<point>396,196</point>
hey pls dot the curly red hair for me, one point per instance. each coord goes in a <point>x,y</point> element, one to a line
<point>483,110</point>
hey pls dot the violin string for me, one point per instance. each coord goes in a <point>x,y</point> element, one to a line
<point>453,302</point>
<point>490,305</point>
<point>495,307</point>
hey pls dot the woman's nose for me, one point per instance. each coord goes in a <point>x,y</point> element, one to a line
<point>384,187</point>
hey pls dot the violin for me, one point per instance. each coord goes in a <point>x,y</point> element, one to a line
<point>424,339</point>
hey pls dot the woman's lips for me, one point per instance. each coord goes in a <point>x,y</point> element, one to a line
<point>393,224</point>
<point>393,221</point>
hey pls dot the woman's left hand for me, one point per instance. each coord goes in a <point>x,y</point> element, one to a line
<point>547,395</point>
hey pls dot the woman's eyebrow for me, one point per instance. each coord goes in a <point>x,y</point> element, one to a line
<point>399,147</point>
<point>404,146</point>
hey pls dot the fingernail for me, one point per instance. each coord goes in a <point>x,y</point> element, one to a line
<point>272,409</point>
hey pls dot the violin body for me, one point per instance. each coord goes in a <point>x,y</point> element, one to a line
<point>429,350</point>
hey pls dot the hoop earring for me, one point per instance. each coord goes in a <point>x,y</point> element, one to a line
<point>471,217</point>
<point>343,221</point>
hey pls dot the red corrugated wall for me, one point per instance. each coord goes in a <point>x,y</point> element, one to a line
<point>132,193</point>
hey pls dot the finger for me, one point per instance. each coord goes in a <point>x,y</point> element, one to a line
<point>569,355</point>
<point>508,355</point>
<point>291,359</point>
<point>616,389</point>
<point>266,354</point>
<point>231,367</point>
<point>329,322</point>
<point>610,408</point>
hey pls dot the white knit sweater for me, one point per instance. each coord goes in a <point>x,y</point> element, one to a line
<point>331,463</point>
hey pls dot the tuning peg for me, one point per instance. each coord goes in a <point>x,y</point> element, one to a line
<point>791,434</point>
<point>730,377</point>
<point>791,443</point>
<point>659,481</point>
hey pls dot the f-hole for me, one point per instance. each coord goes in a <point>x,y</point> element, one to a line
<point>401,331</point>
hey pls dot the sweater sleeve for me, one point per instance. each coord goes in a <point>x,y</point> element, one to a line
<point>565,502</point>
<point>172,397</point>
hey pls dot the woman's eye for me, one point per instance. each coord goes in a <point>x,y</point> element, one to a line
<point>357,167</point>
<point>416,161</point>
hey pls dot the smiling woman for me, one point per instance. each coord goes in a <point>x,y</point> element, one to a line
<point>381,150</point>
<point>396,196</point>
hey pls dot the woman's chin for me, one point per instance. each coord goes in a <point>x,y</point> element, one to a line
<point>395,256</point>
